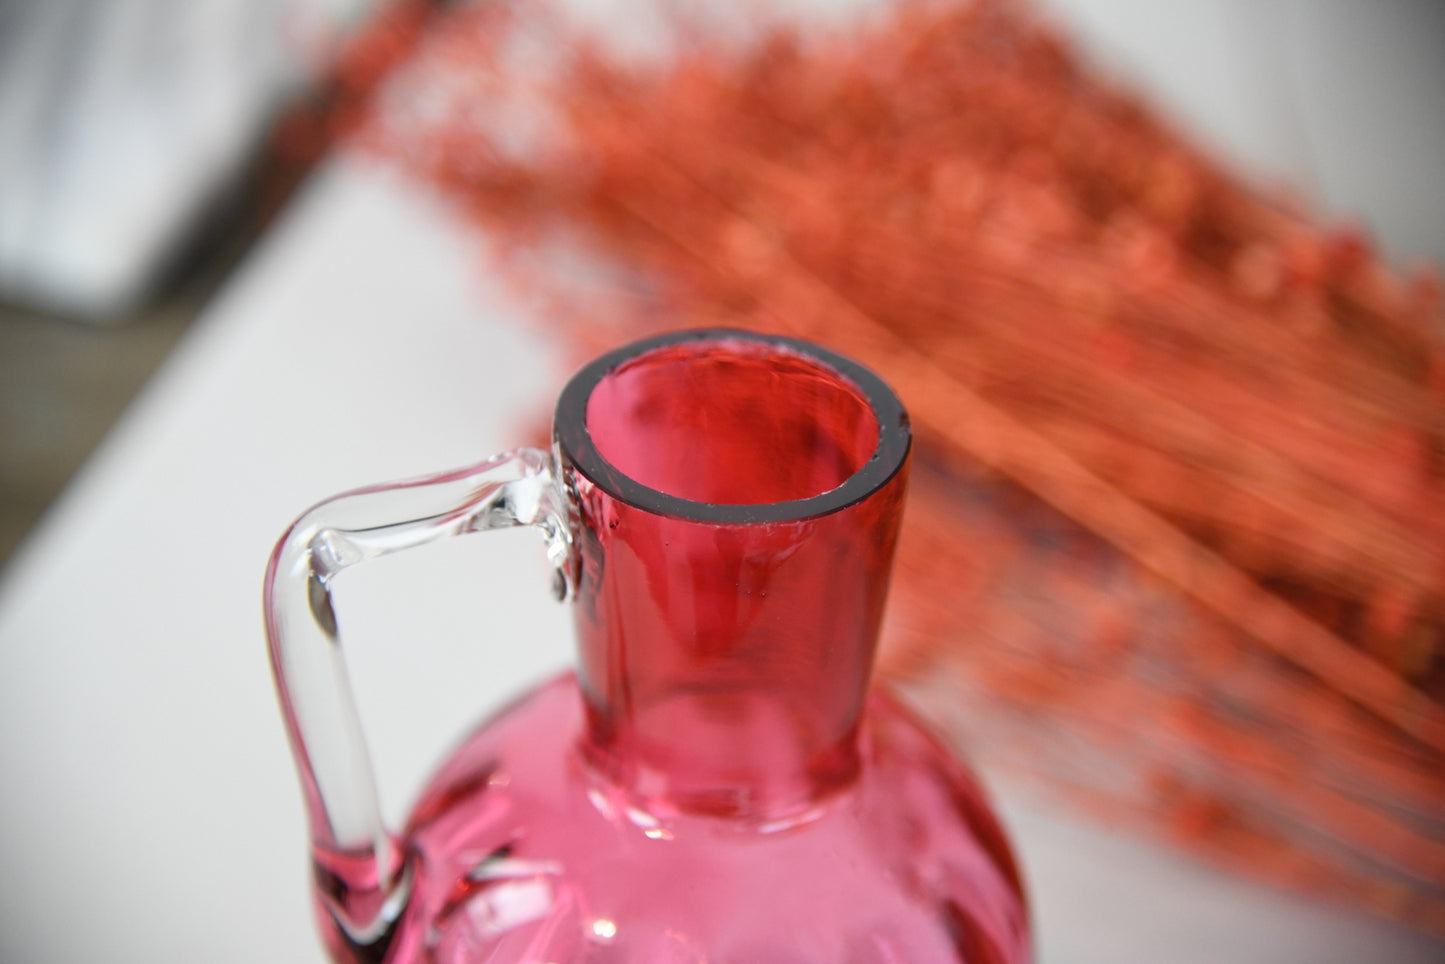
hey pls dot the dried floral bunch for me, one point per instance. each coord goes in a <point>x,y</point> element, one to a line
<point>1178,539</point>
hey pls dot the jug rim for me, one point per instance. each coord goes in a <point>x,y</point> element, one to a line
<point>576,445</point>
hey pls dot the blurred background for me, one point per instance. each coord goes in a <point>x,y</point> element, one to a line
<point>137,161</point>
<point>1222,218</point>
<point>135,168</point>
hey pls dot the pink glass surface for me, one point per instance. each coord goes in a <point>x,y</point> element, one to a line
<point>715,783</point>
<point>525,853</point>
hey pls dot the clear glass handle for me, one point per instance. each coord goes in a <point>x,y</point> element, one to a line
<point>359,869</point>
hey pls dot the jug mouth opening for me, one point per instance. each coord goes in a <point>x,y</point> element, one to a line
<point>731,426</point>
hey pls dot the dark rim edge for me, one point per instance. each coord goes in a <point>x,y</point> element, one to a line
<point>575,442</point>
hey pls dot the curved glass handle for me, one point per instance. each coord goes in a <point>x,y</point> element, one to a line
<point>358,865</point>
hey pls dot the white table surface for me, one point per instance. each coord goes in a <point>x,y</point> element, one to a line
<point>150,811</point>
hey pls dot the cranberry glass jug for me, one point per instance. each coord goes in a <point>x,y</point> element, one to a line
<point>716,783</point>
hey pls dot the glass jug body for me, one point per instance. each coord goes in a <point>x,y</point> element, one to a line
<point>715,782</point>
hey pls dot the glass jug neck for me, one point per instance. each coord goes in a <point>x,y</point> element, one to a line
<point>738,499</point>
<point>724,669</point>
